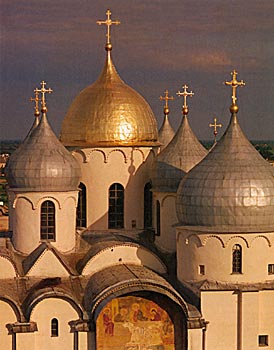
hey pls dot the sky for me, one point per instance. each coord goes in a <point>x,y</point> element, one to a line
<point>159,45</point>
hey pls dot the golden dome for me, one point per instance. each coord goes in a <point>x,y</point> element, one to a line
<point>109,113</point>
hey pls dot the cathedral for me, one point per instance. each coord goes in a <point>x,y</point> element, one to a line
<point>123,237</point>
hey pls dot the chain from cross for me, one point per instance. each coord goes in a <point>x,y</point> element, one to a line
<point>215,126</point>
<point>43,91</point>
<point>108,22</point>
<point>234,84</point>
<point>36,99</point>
<point>185,94</point>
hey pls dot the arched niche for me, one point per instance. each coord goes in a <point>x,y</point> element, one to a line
<point>44,313</point>
<point>7,268</point>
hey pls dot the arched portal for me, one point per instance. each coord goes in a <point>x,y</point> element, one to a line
<point>134,323</point>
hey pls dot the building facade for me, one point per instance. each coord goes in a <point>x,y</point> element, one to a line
<point>117,241</point>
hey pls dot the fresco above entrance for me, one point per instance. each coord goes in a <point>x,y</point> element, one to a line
<point>134,323</point>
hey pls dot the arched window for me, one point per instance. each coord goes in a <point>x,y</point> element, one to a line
<point>54,327</point>
<point>48,221</point>
<point>158,218</point>
<point>116,206</point>
<point>237,259</point>
<point>81,213</point>
<point>147,206</point>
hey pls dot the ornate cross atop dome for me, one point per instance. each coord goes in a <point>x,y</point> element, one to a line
<point>234,84</point>
<point>166,98</point>
<point>215,126</point>
<point>43,91</point>
<point>185,94</point>
<point>108,22</point>
<point>36,99</point>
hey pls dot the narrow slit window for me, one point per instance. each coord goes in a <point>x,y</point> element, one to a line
<point>237,259</point>
<point>147,206</point>
<point>158,218</point>
<point>47,221</point>
<point>116,206</point>
<point>271,269</point>
<point>54,327</point>
<point>81,212</point>
<point>201,269</point>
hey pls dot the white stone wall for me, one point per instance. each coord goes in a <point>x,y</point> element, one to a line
<point>237,324</point>
<point>166,241</point>
<point>100,168</point>
<point>25,219</point>
<point>42,314</point>
<point>214,251</point>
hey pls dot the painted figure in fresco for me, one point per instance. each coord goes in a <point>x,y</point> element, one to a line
<point>138,313</point>
<point>137,333</point>
<point>122,316</point>
<point>109,325</point>
<point>155,316</point>
<point>154,339</point>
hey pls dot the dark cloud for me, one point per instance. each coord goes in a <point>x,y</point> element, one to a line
<point>158,45</point>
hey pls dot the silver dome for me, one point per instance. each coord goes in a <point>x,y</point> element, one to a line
<point>42,163</point>
<point>181,155</point>
<point>232,189</point>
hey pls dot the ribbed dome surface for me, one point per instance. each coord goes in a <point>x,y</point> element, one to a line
<point>181,155</point>
<point>42,163</point>
<point>109,113</point>
<point>232,189</point>
<point>166,133</point>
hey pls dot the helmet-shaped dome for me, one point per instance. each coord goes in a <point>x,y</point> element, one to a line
<point>42,163</point>
<point>231,189</point>
<point>109,113</point>
<point>179,156</point>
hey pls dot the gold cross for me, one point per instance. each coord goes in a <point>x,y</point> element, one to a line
<point>36,99</point>
<point>215,126</point>
<point>234,84</point>
<point>185,94</point>
<point>43,91</point>
<point>108,22</point>
<point>166,98</point>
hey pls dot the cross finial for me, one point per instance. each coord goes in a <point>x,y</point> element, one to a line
<point>36,99</point>
<point>185,94</point>
<point>166,98</point>
<point>215,126</point>
<point>234,84</point>
<point>43,91</point>
<point>108,22</point>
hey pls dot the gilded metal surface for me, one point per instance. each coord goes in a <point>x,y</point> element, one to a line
<point>109,113</point>
<point>36,99</point>
<point>166,98</point>
<point>185,94</point>
<point>234,84</point>
<point>215,126</point>
<point>232,189</point>
<point>166,132</point>
<point>181,155</point>
<point>108,22</point>
<point>42,163</point>
<point>43,92</point>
